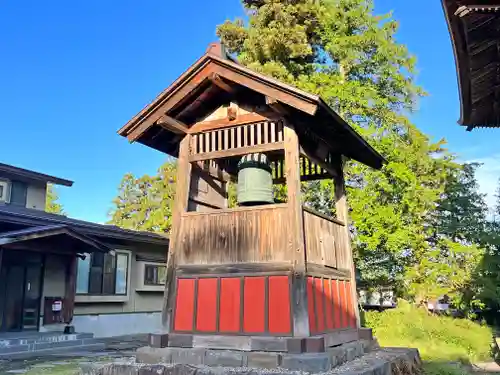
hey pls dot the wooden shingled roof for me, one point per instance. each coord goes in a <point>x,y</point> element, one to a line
<point>215,80</point>
<point>474,27</point>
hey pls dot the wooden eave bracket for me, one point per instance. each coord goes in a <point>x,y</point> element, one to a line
<point>173,125</point>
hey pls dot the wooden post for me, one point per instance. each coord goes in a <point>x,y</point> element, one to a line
<point>296,233</point>
<point>180,206</point>
<point>342,214</point>
<point>70,291</point>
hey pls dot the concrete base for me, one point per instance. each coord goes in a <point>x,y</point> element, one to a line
<point>310,362</point>
<point>388,361</point>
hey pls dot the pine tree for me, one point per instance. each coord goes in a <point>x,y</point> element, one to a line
<point>340,50</point>
<point>52,204</point>
<point>145,203</point>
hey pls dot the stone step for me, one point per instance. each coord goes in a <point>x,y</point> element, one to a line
<point>42,338</point>
<point>77,348</point>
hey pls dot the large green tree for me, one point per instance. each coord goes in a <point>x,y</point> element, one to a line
<point>145,203</point>
<point>52,204</point>
<point>342,51</point>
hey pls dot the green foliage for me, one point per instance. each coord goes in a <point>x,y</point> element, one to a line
<point>340,50</point>
<point>52,204</point>
<point>145,203</point>
<point>440,339</point>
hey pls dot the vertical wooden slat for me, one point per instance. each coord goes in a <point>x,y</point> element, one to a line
<point>219,140</point>
<point>280,131</point>
<point>252,134</point>
<point>194,145</point>
<point>239,137</point>
<point>245,135</point>
<point>273,131</point>
<point>266,131</point>
<point>259,133</point>
<point>226,139</point>
<point>233,138</point>
<point>213,141</point>
<point>207,142</point>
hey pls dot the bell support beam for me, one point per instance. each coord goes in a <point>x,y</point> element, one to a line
<point>342,214</point>
<point>180,206</point>
<point>300,315</point>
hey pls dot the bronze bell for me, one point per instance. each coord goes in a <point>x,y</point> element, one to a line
<point>255,180</point>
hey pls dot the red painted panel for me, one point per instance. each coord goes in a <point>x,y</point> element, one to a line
<point>328,303</point>
<point>310,305</point>
<point>343,303</point>
<point>337,316</point>
<point>206,308</point>
<point>320,304</point>
<point>184,305</point>
<point>350,305</point>
<point>279,305</point>
<point>230,304</point>
<point>254,304</point>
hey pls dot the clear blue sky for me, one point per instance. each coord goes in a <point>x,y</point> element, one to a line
<point>72,73</point>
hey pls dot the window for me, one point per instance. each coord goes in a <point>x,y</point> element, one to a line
<point>103,274</point>
<point>154,275</point>
<point>4,191</point>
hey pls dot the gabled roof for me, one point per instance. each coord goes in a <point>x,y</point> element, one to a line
<point>474,29</point>
<point>77,241</point>
<point>31,217</point>
<point>215,80</point>
<point>32,175</point>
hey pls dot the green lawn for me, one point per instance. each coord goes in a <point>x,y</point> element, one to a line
<point>444,343</point>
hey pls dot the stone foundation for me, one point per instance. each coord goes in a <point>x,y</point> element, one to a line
<point>387,361</point>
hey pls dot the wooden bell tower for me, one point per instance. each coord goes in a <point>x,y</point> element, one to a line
<point>269,276</point>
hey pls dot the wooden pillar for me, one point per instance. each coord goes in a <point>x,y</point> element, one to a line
<point>180,206</point>
<point>70,291</point>
<point>296,233</point>
<point>342,214</point>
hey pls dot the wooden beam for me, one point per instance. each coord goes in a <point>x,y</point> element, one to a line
<point>70,291</point>
<point>216,173</point>
<point>217,81</point>
<point>179,208</point>
<point>277,107</point>
<point>342,214</point>
<point>295,232</point>
<point>246,118</point>
<point>268,147</point>
<point>173,125</point>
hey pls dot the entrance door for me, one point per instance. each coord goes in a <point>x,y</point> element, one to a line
<point>20,290</point>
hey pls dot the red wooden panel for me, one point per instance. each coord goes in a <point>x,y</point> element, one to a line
<point>337,316</point>
<point>230,304</point>
<point>279,305</point>
<point>184,305</point>
<point>206,308</point>
<point>343,303</point>
<point>320,304</point>
<point>350,305</point>
<point>254,304</point>
<point>328,303</point>
<point>310,305</point>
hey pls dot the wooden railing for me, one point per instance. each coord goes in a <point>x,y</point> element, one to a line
<point>325,240</point>
<point>245,234</point>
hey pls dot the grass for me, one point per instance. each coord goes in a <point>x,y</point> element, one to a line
<point>445,344</point>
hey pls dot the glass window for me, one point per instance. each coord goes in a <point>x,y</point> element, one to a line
<point>155,274</point>
<point>83,273</point>
<point>103,274</point>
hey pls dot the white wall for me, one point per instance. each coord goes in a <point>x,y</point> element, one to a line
<point>35,197</point>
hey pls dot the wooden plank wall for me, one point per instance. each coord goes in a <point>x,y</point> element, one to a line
<point>245,234</point>
<point>325,241</point>
<point>330,305</point>
<point>238,305</point>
